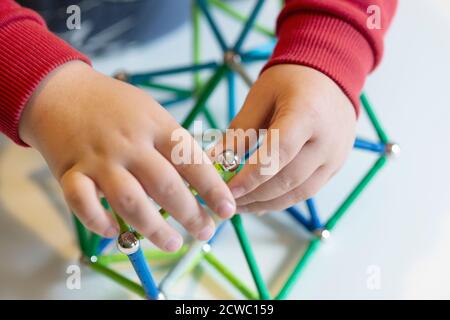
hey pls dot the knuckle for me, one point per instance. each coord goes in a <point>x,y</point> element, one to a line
<point>286,181</point>
<point>127,135</point>
<point>151,232</point>
<point>156,233</point>
<point>192,222</point>
<point>213,196</point>
<point>92,222</point>
<point>299,195</point>
<point>211,193</point>
<point>126,201</point>
<point>285,152</point>
<point>314,112</point>
<point>168,188</point>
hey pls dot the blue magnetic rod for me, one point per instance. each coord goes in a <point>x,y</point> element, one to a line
<point>142,269</point>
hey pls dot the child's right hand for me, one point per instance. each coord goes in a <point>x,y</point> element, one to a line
<point>102,136</point>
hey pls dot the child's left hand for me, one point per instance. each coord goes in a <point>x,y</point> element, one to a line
<point>316,123</point>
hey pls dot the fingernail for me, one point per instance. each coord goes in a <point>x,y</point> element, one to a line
<point>206,233</point>
<point>237,192</point>
<point>173,244</point>
<point>226,208</point>
<point>111,232</point>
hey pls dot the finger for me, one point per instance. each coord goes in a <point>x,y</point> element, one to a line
<point>301,193</point>
<point>81,195</point>
<point>309,159</point>
<point>196,168</point>
<point>130,201</point>
<point>163,183</point>
<point>284,139</point>
<point>242,134</point>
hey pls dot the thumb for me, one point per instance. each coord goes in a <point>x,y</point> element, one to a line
<point>242,134</point>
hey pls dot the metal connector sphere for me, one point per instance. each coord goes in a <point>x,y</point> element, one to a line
<point>161,296</point>
<point>231,58</point>
<point>128,243</point>
<point>229,160</point>
<point>322,234</point>
<point>121,75</point>
<point>392,149</point>
<point>206,248</point>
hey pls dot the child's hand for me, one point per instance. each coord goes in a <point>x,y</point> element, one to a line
<point>102,136</point>
<point>316,123</point>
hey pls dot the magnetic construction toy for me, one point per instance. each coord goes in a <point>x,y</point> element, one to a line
<point>232,64</point>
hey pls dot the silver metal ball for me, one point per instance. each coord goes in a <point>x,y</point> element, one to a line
<point>322,234</point>
<point>229,160</point>
<point>161,296</point>
<point>128,243</point>
<point>392,149</point>
<point>121,75</point>
<point>230,57</point>
<point>206,248</point>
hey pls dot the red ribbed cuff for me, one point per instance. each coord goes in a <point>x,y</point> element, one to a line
<point>327,44</point>
<point>28,52</point>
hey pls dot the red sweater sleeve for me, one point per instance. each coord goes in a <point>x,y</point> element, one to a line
<point>28,52</point>
<point>333,36</point>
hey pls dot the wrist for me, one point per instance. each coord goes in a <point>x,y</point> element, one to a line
<point>328,44</point>
<point>57,90</point>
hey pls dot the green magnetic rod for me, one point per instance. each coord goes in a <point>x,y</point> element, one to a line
<point>227,274</point>
<point>373,118</point>
<point>226,8</point>
<point>118,278</point>
<point>150,254</point>
<point>227,170</point>
<point>339,213</point>
<point>224,172</point>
